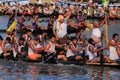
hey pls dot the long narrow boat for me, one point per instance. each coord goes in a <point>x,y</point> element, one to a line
<point>78,63</point>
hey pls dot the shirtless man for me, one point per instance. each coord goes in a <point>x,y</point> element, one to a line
<point>114,48</point>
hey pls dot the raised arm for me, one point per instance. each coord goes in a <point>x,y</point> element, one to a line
<point>54,30</point>
<point>103,22</point>
<point>67,15</point>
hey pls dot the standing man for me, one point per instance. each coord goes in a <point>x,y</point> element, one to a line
<point>96,31</point>
<point>60,28</point>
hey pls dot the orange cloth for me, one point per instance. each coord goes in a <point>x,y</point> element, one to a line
<point>34,56</point>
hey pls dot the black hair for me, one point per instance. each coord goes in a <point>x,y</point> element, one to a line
<point>1,38</point>
<point>114,35</point>
<point>90,40</point>
<point>22,39</point>
<point>37,32</point>
<point>51,36</point>
<point>73,38</point>
<point>8,39</point>
<point>28,30</point>
<point>37,39</point>
<point>68,4</point>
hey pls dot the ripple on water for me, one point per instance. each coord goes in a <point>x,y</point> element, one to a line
<point>30,71</point>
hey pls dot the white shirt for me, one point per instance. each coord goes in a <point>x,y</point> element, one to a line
<point>96,35</point>
<point>69,51</point>
<point>96,32</point>
<point>61,29</point>
<point>30,51</point>
<point>90,54</point>
<point>52,46</point>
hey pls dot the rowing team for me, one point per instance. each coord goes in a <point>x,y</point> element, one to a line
<point>12,48</point>
<point>35,43</point>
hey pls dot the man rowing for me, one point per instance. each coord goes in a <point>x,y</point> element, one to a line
<point>96,31</point>
<point>50,49</point>
<point>114,48</point>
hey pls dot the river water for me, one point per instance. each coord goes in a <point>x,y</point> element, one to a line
<point>10,70</point>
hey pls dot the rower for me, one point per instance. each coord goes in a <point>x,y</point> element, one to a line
<point>97,33</point>
<point>35,23</point>
<point>72,50</point>
<point>21,21</point>
<point>50,48</point>
<point>35,50</point>
<point>19,49</point>
<point>93,52</point>
<point>114,49</point>
<point>7,49</point>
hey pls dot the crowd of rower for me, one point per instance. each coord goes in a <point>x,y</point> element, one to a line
<point>37,42</point>
<point>91,10</point>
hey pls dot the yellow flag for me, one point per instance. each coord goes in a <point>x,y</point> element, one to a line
<point>12,26</point>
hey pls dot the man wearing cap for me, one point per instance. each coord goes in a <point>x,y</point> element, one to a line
<point>60,28</point>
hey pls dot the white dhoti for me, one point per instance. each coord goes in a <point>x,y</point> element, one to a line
<point>113,53</point>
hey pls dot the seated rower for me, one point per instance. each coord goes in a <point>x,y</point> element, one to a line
<point>35,50</point>
<point>72,50</point>
<point>118,51</point>
<point>21,21</point>
<point>114,48</point>
<point>35,23</point>
<point>61,50</point>
<point>93,52</point>
<point>20,49</point>
<point>27,36</point>
<point>50,48</point>
<point>7,49</point>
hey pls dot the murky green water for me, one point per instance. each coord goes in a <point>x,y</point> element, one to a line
<point>10,70</point>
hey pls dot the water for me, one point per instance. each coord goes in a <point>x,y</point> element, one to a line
<point>10,70</point>
<point>38,71</point>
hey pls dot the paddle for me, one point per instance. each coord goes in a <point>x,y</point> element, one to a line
<point>51,56</point>
<point>84,58</point>
<point>106,39</point>
<point>101,55</point>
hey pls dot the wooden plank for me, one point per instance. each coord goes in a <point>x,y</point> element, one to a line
<point>106,64</point>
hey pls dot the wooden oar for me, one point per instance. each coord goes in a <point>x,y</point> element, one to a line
<point>106,39</point>
<point>107,34</point>
<point>101,55</point>
<point>49,57</point>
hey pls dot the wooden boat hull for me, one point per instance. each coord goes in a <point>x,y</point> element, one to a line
<point>79,63</point>
<point>104,64</point>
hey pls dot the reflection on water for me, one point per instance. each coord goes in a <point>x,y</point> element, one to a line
<point>10,70</point>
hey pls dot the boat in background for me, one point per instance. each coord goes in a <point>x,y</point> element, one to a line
<point>21,2</point>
